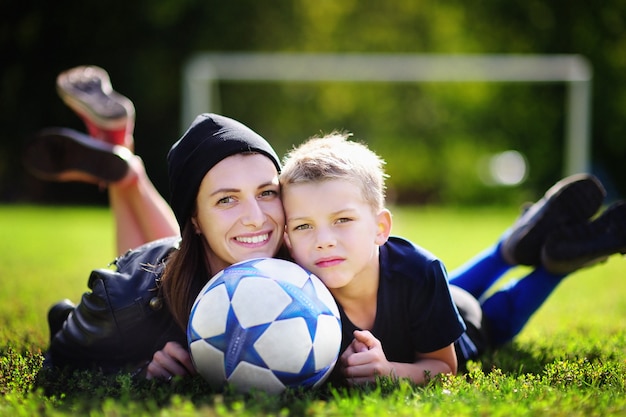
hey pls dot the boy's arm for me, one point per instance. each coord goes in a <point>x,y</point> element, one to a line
<point>427,365</point>
<point>364,361</point>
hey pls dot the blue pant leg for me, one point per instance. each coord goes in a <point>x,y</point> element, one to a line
<point>479,273</point>
<point>508,310</point>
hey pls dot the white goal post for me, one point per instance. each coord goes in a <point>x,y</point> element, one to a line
<point>204,70</point>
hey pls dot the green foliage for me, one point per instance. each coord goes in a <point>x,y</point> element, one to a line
<point>18,371</point>
<point>441,131</point>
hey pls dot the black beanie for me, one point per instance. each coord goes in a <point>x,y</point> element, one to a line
<point>209,140</point>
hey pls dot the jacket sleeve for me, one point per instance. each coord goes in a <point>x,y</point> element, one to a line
<point>122,320</point>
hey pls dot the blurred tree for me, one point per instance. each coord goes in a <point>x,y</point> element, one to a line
<point>432,135</point>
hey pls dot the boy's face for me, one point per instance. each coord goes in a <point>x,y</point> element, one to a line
<point>333,232</point>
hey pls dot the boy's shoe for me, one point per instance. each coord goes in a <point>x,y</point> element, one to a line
<point>587,243</point>
<point>571,200</point>
<point>107,114</point>
<point>60,154</point>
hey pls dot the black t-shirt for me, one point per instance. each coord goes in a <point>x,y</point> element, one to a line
<point>415,312</point>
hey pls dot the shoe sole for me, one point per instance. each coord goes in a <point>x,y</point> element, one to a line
<point>60,154</point>
<point>88,91</point>
<point>574,248</point>
<point>573,199</point>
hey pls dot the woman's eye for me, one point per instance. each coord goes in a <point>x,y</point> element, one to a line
<point>225,200</point>
<point>269,193</point>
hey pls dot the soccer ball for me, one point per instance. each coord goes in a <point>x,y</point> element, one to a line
<point>264,324</point>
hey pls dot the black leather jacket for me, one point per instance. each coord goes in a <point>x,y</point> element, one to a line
<point>123,320</point>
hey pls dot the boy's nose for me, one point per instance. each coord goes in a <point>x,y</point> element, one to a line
<point>325,239</point>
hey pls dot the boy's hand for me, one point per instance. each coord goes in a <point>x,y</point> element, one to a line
<point>170,361</point>
<point>364,359</point>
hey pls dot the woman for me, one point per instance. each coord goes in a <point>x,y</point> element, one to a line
<point>225,196</point>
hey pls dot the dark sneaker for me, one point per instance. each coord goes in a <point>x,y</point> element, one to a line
<point>57,315</point>
<point>571,200</point>
<point>107,114</point>
<point>587,243</point>
<point>60,154</point>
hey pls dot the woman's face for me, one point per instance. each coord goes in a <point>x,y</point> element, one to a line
<point>239,211</point>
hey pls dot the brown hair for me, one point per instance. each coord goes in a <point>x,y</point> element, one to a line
<point>186,272</point>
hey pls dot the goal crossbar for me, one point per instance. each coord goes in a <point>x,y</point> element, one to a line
<point>204,70</point>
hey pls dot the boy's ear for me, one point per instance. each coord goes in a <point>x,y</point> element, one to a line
<point>384,226</point>
<point>286,239</point>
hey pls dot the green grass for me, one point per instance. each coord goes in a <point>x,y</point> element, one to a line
<point>569,360</point>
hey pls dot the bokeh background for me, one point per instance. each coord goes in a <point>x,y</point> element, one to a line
<point>434,136</point>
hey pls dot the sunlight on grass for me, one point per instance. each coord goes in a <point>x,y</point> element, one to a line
<point>49,257</point>
<point>569,360</point>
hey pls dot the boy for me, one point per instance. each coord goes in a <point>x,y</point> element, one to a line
<point>397,313</point>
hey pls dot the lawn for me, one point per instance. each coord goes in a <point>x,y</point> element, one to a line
<point>569,360</point>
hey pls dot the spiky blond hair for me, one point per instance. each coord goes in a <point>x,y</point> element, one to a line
<point>332,157</point>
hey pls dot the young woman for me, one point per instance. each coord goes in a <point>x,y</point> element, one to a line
<point>225,196</point>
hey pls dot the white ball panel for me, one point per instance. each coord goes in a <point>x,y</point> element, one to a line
<point>323,293</point>
<point>283,271</point>
<point>258,300</point>
<point>209,362</point>
<point>327,341</point>
<point>247,377</point>
<point>209,318</point>
<point>285,345</point>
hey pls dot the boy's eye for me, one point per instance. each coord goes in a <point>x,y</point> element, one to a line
<point>344,220</point>
<point>302,227</point>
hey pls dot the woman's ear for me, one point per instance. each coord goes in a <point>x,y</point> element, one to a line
<point>196,228</point>
<point>384,226</point>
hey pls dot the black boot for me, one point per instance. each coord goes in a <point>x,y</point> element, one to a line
<point>57,315</point>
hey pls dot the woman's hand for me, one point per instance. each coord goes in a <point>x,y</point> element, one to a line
<point>170,361</point>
